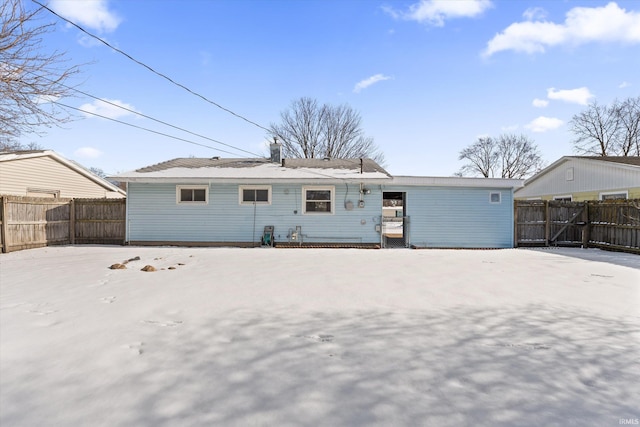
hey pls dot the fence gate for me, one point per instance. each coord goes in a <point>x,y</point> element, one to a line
<point>608,224</point>
<point>395,232</point>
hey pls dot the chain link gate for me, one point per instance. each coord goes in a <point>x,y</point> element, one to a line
<point>395,232</point>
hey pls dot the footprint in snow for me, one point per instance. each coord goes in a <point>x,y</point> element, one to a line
<point>135,348</point>
<point>524,346</point>
<point>108,300</point>
<point>318,338</point>
<point>170,323</point>
<point>43,313</point>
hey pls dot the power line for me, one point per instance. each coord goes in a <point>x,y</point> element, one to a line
<point>149,117</point>
<point>140,127</point>
<point>164,76</point>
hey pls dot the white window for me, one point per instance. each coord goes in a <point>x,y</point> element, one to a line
<point>249,195</point>
<point>565,198</point>
<point>569,174</point>
<point>495,197</point>
<point>614,195</point>
<point>192,194</point>
<point>318,200</point>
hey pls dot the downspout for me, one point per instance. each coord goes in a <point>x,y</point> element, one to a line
<point>127,231</point>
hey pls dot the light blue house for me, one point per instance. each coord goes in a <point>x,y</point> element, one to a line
<point>318,202</point>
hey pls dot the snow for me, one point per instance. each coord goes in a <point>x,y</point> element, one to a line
<point>264,171</point>
<point>318,337</point>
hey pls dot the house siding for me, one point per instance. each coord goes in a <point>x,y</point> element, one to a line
<point>458,217</point>
<point>16,176</point>
<point>633,193</point>
<point>590,178</point>
<point>154,215</point>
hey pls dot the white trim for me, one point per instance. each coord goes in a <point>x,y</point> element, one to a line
<point>564,196</point>
<point>192,187</point>
<point>453,181</point>
<point>330,188</point>
<point>241,189</point>
<point>499,197</point>
<point>609,193</point>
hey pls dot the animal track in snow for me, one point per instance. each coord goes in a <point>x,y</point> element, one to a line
<point>108,300</point>
<point>42,312</point>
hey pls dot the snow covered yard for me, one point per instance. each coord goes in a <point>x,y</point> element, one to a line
<point>282,337</point>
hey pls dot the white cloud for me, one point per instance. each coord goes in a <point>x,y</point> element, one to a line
<point>45,99</point>
<point>534,14</point>
<point>580,95</point>
<point>94,14</point>
<point>87,153</point>
<point>582,25</point>
<point>624,84</point>
<point>435,12</point>
<point>112,110</point>
<point>363,84</point>
<point>543,124</point>
<point>540,103</point>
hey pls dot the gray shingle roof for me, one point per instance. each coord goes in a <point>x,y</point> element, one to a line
<point>368,165</point>
<point>627,160</point>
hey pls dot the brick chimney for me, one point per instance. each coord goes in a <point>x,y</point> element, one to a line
<point>276,152</point>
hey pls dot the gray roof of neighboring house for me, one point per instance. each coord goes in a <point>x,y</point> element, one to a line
<point>627,160</point>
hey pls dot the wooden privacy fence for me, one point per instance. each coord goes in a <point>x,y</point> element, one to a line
<point>610,224</point>
<point>32,222</point>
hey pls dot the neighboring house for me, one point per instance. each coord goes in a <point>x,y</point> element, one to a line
<point>44,173</point>
<point>195,201</point>
<point>573,178</point>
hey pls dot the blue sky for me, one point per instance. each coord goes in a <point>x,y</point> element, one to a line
<point>427,77</point>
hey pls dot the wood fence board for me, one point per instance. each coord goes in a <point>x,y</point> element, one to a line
<point>606,224</point>
<point>30,222</point>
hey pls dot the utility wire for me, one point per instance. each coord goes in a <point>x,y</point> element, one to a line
<point>150,68</point>
<point>140,127</point>
<point>149,117</point>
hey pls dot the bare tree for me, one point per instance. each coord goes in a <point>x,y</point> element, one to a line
<point>29,78</point>
<point>518,155</point>
<point>629,113</point>
<point>311,130</point>
<point>507,156</point>
<point>608,130</point>
<point>482,157</point>
<point>10,145</point>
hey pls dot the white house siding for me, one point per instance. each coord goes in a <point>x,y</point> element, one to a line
<point>153,215</point>
<point>458,217</point>
<point>588,176</point>
<point>45,173</point>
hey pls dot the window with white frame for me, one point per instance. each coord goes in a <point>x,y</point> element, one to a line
<point>250,195</point>
<point>192,194</point>
<point>614,195</point>
<point>318,200</point>
<point>495,197</point>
